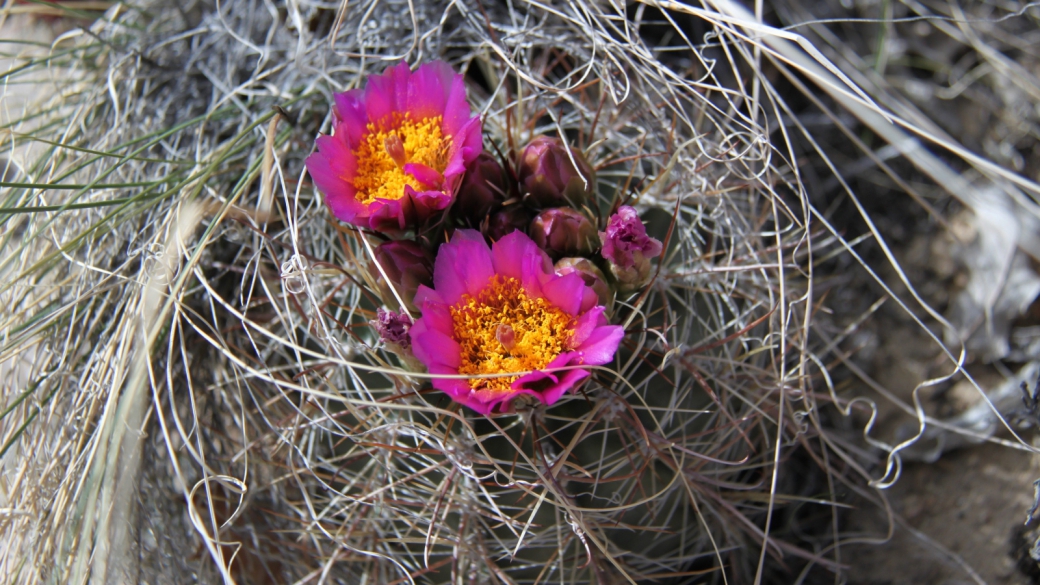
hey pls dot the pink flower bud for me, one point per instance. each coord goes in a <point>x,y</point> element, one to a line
<point>628,249</point>
<point>564,232</point>
<point>548,178</point>
<point>510,219</point>
<point>393,328</point>
<point>406,264</point>
<point>483,190</point>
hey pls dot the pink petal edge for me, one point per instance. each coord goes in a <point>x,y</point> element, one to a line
<point>462,266</point>
<point>428,89</point>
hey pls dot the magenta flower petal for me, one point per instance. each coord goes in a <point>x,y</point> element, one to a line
<point>351,117</point>
<point>331,170</point>
<point>572,379</point>
<point>335,155</point>
<point>550,332</point>
<point>425,294</point>
<point>385,94</point>
<point>601,345</point>
<point>467,144</point>
<point>482,404</point>
<point>586,324</point>
<point>424,174</point>
<point>517,256</point>
<point>549,387</point>
<point>566,292</point>
<point>435,348</point>
<point>387,215</point>
<point>456,109</point>
<point>399,149</point>
<point>428,90</point>
<point>468,236</point>
<point>463,266</point>
<point>589,298</point>
<point>437,316</point>
<point>510,252</point>
<point>533,383</point>
<point>458,390</point>
<point>429,336</point>
<point>426,204</point>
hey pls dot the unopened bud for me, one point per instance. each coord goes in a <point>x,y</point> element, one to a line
<point>629,249</point>
<point>406,265</point>
<point>564,232</point>
<point>510,219</point>
<point>393,328</point>
<point>483,189</point>
<point>548,178</point>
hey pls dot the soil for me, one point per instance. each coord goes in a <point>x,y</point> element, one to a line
<point>961,518</point>
<point>963,513</point>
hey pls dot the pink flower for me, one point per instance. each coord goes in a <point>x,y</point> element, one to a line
<point>503,310</point>
<point>393,327</point>
<point>628,249</point>
<point>399,148</point>
<point>625,240</point>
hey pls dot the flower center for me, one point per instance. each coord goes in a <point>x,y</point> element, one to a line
<point>382,154</point>
<point>503,330</point>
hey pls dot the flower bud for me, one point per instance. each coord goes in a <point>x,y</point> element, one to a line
<point>482,190</point>
<point>406,264</point>
<point>592,276</point>
<point>628,249</point>
<point>564,232</point>
<point>510,219</point>
<point>393,331</point>
<point>393,328</point>
<point>549,179</point>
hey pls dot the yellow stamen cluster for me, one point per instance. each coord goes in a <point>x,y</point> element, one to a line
<point>540,332</point>
<point>379,164</point>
